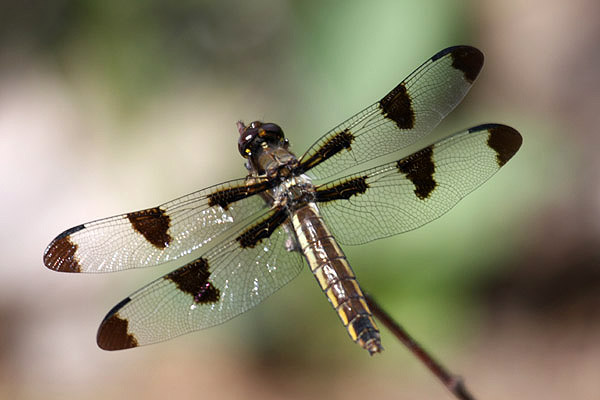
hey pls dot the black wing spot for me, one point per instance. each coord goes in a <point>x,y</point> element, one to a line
<point>153,224</point>
<point>262,230</point>
<point>419,169</point>
<point>505,141</point>
<point>333,145</point>
<point>397,106</point>
<point>224,197</point>
<point>342,190</point>
<point>113,332</point>
<point>193,279</point>
<point>467,59</point>
<point>60,254</point>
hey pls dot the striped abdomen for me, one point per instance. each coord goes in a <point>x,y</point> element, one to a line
<point>329,265</point>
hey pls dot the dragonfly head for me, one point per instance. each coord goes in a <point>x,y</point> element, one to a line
<point>258,135</point>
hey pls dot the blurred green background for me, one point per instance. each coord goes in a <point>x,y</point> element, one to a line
<point>110,106</point>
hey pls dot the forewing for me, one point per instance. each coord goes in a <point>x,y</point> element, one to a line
<point>406,114</point>
<point>157,235</point>
<point>406,194</point>
<point>230,279</point>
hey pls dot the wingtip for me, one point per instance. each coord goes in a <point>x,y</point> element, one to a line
<point>113,333</point>
<point>505,140</point>
<point>60,254</point>
<point>461,50</point>
<point>469,60</point>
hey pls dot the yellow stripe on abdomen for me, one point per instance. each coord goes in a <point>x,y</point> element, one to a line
<point>335,276</point>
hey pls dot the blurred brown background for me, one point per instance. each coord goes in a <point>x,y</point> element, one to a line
<point>110,106</point>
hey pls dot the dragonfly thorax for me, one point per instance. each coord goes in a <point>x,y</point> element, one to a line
<point>294,192</point>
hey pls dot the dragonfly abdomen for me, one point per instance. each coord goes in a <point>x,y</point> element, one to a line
<point>335,276</point>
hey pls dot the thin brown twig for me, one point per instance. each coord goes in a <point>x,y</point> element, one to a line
<point>453,383</point>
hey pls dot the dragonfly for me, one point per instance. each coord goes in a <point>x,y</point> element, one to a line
<point>236,243</point>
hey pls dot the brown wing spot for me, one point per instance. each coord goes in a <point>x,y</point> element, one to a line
<point>193,279</point>
<point>333,145</point>
<point>505,141</point>
<point>262,230</point>
<point>467,59</point>
<point>397,106</point>
<point>153,224</point>
<point>343,190</point>
<point>113,332</point>
<point>419,169</point>
<point>60,254</point>
<point>224,197</point>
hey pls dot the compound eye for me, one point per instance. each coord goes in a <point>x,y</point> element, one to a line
<point>246,139</point>
<point>259,134</point>
<point>273,130</point>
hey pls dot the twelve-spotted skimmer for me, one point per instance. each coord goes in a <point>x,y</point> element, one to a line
<point>240,241</point>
